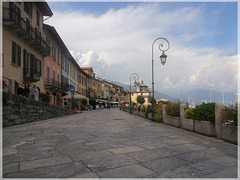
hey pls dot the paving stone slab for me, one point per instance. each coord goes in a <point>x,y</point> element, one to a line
<point>88,175</point>
<point>198,156</point>
<point>126,149</point>
<point>151,154</point>
<point>90,155</point>
<point>10,168</point>
<point>71,149</point>
<point>59,171</point>
<point>27,156</point>
<point>131,171</point>
<point>181,172</point>
<point>231,172</point>
<point>165,164</point>
<point>182,148</point>
<point>103,145</point>
<point>44,162</point>
<point>104,163</point>
<point>216,164</point>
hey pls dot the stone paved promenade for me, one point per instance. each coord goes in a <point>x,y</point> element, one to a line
<point>113,143</point>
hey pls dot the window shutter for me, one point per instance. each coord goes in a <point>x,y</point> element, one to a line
<point>13,52</point>
<point>19,55</point>
<point>40,67</point>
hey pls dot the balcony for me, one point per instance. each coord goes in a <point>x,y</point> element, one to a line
<point>31,75</point>
<point>17,24</point>
<point>52,84</point>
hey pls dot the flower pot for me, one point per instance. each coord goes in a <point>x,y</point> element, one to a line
<point>205,127</point>
<point>188,124</point>
<point>229,133</point>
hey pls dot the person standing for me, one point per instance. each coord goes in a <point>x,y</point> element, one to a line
<point>26,90</point>
<point>109,106</point>
<point>33,90</point>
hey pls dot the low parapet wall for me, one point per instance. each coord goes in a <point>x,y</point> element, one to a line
<point>19,110</point>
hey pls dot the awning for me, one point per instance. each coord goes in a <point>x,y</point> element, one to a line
<point>76,96</point>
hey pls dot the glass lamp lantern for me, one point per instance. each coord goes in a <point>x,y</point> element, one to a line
<point>163,58</point>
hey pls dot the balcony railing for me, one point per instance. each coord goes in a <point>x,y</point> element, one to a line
<point>31,75</point>
<point>52,84</point>
<point>13,19</point>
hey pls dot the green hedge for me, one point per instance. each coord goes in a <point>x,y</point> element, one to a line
<point>203,112</point>
<point>173,109</point>
<point>230,114</point>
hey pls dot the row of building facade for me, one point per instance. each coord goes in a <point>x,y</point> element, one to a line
<point>34,53</point>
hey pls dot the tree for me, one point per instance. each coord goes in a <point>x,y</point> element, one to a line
<point>150,100</point>
<point>140,99</point>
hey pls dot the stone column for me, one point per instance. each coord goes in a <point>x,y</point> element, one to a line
<point>218,119</point>
<point>12,86</point>
<point>164,111</point>
<point>182,112</point>
<point>52,99</point>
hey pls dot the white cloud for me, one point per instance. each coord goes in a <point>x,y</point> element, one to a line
<point>118,43</point>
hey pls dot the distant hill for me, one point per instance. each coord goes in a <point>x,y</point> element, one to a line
<point>157,95</point>
<point>197,95</point>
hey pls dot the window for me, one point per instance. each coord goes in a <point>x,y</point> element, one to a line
<point>53,52</point>
<point>38,66</point>
<point>16,54</point>
<point>58,76</point>
<point>58,57</point>
<point>53,75</point>
<point>38,18</point>
<point>28,8</point>
<point>48,74</point>
<point>15,12</point>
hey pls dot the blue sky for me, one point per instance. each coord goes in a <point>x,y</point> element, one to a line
<point>115,39</point>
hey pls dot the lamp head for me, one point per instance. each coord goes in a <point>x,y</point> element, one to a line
<point>163,58</point>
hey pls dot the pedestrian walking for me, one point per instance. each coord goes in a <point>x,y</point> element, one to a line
<point>33,91</point>
<point>79,105</point>
<point>109,106</point>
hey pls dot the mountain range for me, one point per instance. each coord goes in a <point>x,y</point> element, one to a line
<point>196,95</point>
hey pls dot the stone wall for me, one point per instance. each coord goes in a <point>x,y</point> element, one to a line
<point>19,110</point>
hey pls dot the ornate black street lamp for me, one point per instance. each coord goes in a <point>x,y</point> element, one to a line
<point>163,59</point>
<point>135,78</point>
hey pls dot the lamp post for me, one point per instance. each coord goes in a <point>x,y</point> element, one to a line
<point>135,78</point>
<point>163,59</point>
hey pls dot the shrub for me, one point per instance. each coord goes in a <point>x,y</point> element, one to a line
<point>140,99</point>
<point>189,114</point>
<point>204,112</point>
<point>5,97</point>
<point>230,114</point>
<point>44,97</point>
<point>143,109</point>
<point>150,100</point>
<point>158,114</point>
<point>148,110</point>
<point>173,109</point>
<point>74,103</point>
<point>139,108</point>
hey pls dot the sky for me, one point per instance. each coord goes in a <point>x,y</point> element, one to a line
<point>115,38</point>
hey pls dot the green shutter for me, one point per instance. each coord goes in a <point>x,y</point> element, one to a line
<point>13,52</point>
<point>19,55</point>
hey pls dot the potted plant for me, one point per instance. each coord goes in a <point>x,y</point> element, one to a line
<point>188,122</point>
<point>204,116</point>
<point>230,123</point>
<point>172,116</point>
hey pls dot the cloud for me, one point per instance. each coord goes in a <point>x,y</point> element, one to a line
<point>119,43</point>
